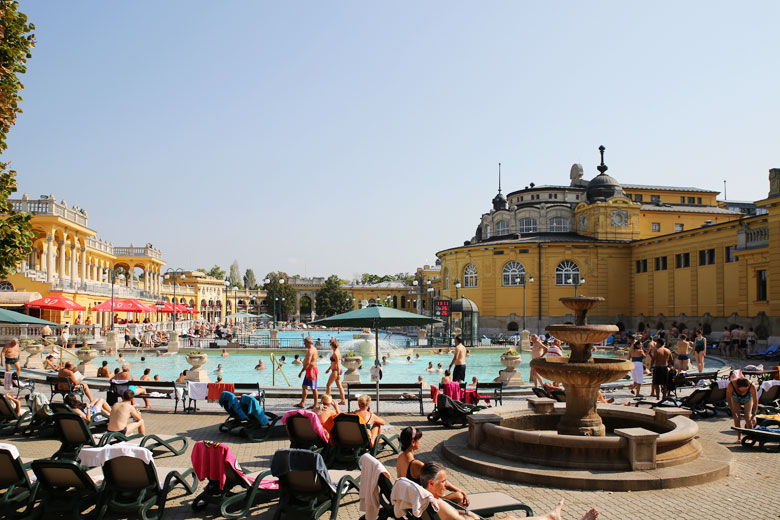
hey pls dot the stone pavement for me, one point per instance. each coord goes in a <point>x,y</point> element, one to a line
<point>751,491</point>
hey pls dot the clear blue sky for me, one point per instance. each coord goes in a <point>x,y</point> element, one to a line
<point>348,137</point>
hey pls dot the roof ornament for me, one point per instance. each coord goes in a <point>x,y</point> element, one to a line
<point>602,167</point>
<point>499,177</point>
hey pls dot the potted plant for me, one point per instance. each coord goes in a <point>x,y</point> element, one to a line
<point>511,358</point>
<point>351,361</point>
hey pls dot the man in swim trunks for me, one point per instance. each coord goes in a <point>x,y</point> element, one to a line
<point>683,362</point>
<point>121,412</point>
<point>309,368</point>
<point>459,360</point>
<point>11,356</point>
<point>661,363</point>
<point>68,371</point>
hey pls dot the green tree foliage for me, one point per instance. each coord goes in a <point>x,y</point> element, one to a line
<point>370,279</point>
<point>235,275</point>
<point>404,277</point>
<point>250,282</point>
<point>16,43</point>
<point>215,272</point>
<point>283,290</point>
<point>332,299</point>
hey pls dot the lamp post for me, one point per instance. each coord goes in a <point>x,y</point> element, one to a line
<point>276,281</point>
<point>112,273</point>
<point>415,283</point>
<point>457,287</point>
<point>576,283</point>
<point>526,280</point>
<point>173,342</point>
<point>227,286</point>
<point>159,306</point>
<point>430,306</point>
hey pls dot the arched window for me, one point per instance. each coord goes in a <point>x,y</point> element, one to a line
<point>559,225</point>
<point>502,228</point>
<point>403,302</point>
<point>514,274</point>
<point>6,286</point>
<point>446,279</point>
<point>487,231</point>
<point>470,276</point>
<point>527,225</point>
<point>567,273</point>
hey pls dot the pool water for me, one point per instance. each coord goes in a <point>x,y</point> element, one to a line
<point>295,337</point>
<point>239,367</point>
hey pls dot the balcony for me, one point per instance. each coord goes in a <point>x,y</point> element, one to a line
<point>49,207</point>
<point>754,238</point>
<point>148,251</point>
<point>100,245</point>
<point>101,289</point>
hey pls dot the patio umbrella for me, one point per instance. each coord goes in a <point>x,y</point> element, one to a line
<point>55,302</point>
<point>240,315</point>
<point>376,317</point>
<point>7,316</point>
<point>124,306</point>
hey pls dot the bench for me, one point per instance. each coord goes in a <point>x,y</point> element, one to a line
<point>388,391</point>
<point>56,386</point>
<point>240,389</point>
<point>497,388</point>
<point>169,389</point>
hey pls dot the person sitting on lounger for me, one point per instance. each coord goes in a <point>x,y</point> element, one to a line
<point>407,466</point>
<point>549,387</point>
<point>69,371</point>
<point>326,409</point>
<point>17,404</point>
<point>434,478</point>
<point>373,422</point>
<point>86,411</point>
<point>742,393</point>
<point>122,412</point>
<point>49,363</point>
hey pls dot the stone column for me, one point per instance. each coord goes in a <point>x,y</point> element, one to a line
<point>83,265</point>
<point>146,277</point>
<point>72,263</point>
<point>50,258</point>
<point>61,272</point>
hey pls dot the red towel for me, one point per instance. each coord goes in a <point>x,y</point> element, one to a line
<point>209,460</point>
<point>434,393</point>
<point>216,389</point>
<point>452,390</point>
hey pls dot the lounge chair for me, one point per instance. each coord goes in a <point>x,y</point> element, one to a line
<point>451,412</point>
<point>16,489</point>
<point>765,437</point>
<point>559,395</point>
<point>98,422</point>
<point>220,490</point>
<point>541,392</point>
<point>42,418</point>
<point>383,487</point>
<point>482,504</point>
<point>716,401</point>
<point>74,434</point>
<point>349,440</point>
<point>259,422</point>
<point>766,353</point>
<point>133,483</point>
<point>9,421</point>
<point>236,419</point>
<point>306,485</point>
<point>300,426</point>
<point>769,400</point>
<point>66,486</point>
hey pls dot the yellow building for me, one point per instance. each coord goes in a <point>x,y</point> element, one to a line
<point>656,253</point>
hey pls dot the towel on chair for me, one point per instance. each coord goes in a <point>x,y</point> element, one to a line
<point>766,385</point>
<point>452,390</point>
<point>370,469</point>
<point>251,407</point>
<point>229,402</point>
<point>407,495</point>
<point>216,389</point>
<point>434,393</point>
<point>314,420</point>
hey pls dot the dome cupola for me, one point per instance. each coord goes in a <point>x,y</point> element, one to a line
<point>603,187</point>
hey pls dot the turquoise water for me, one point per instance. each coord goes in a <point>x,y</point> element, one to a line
<point>294,337</point>
<point>239,368</point>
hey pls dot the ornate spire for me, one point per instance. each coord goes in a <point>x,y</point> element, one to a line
<point>499,177</point>
<point>602,167</point>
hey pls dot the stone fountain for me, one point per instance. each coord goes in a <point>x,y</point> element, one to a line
<point>581,374</point>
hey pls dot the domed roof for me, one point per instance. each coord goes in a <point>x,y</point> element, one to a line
<point>499,201</point>
<point>602,186</point>
<point>464,305</point>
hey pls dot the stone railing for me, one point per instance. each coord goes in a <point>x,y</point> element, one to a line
<point>181,290</point>
<point>102,289</point>
<point>100,245</point>
<point>50,207</point>
<point>752,238</point>
<point>148,251</point>
<point>8,331</point>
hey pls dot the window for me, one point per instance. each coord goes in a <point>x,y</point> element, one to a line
<point>698,201</point>
<point>691,200</point>
<point>567,273</point>
<point>706,256</point>
<point>730,257</point>
<point>660,263</point>
<point>682,200</point>
<point>761,288</point>
<point>682,260</point>
<point>678,227</point>
<point>637,197</point>
<point>446,279</point>
<point>549,195</point>
<point>487,231</point>
<point>655,227</point>
<point>6,286</point>
<point>470,276</point>
<point>521,198</point>
<point>641,266</point>
<point>559,225</point>
<point>527,225</point>
<point>502,228</point>
<point>514,274</point>
<point>655,198</point>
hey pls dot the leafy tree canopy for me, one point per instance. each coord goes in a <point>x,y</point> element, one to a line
<point>285,306</point>
<point>235,275</point>
<point>332,299</point>
<point>250,282</point>
<point>214,272</point>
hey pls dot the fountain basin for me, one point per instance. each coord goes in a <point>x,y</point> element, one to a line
<point>581,334</point>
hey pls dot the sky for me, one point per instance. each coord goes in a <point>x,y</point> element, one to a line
<point>345,137</point>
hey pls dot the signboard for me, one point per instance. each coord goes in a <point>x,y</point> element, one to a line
<point>441,308</point>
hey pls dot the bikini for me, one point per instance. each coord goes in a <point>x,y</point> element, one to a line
<point>740,398</point>
<point>416,480</point>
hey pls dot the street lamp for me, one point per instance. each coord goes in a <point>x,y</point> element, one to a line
<point>276,281</point>
<point>160,306</point>
<point>227,286</point>
<point>175,273</point>
<point>576,283</point>
<point>112,274</point>
<point>526,280</point>
<point>430,303</point>
<point>457,287</point>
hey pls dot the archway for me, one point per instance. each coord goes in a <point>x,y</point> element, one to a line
<point>513,326</point>
<point>305,307</point>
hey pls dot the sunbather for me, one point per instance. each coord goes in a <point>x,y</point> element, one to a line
<point>742,393</point>
<point>434,475</point>
<point>17,404</point>
<point>122,412</point>
<point>97,406</point>
<point>327,408</point>
<point>69,371</point>
<point>373,422</point>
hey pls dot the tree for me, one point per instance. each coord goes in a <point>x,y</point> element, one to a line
<point>215,272</point>
<point>371,279</point>
<point>285,306</point>
<point>235,275</point>
<point>332,299</point>
<point>404,277</point>
<point>16,43</point>
<point>250,282</point>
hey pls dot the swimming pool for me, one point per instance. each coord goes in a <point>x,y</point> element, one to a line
<point>239,367</point>
<point>295,337</point>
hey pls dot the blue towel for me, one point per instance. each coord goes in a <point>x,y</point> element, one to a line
<point>250,406</point>
<point>228,401</point>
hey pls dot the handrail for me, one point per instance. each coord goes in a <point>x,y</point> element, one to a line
<point>276,365</point>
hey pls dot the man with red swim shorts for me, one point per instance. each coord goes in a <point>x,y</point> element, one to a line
<point>309,367</point>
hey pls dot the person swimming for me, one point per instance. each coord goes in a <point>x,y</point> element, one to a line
<point>430,367</point>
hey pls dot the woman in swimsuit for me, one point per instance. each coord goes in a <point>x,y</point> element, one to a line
<point>741,392</point>
<point>335,370</point>
<point>637,356</point>
<point>407,466</point>
<point>700,350</point>
<point>373,422</point>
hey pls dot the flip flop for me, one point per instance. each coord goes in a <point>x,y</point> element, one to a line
<point>299,406</point>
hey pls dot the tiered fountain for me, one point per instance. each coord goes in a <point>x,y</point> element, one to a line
<point>582,445</point>
<point>581,373</point>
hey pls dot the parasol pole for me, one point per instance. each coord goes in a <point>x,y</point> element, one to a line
<point>376,361</point>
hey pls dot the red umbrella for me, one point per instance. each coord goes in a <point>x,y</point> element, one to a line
<point>136,306</point>
<point>55,302</point>
<point>123,306</point>
<point>167,308</point>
